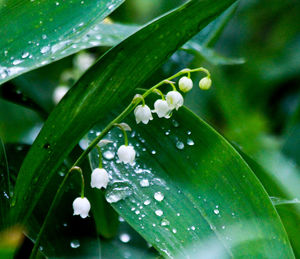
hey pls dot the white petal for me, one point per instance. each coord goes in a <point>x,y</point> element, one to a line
<point>81,207</point>
<point>99,178</point>
<point>174,100</point>
<point>126,154</point>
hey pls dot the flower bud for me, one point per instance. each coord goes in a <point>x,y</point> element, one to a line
<point>81,206</point>
<point>162,109</point>
<point>126,154</point>
<point>174,100</point>
<point>205,83</point>
<point>99,178</point>
<point>185,84</point>
<point>143,114</point>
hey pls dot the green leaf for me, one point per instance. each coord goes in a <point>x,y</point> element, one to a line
<point>4,187</point>
<point>201,44</point>
<point>113,78</point>
<point>43,31</point>
<point>190,189</point>
<point>289,211</point>
<point>210,55</point>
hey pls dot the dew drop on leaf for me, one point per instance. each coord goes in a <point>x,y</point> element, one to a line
<point>75,243</point>
<point>190,142</point>
<point>158,196</point>
<point>159,213</point>
<point>144,183</point>
<point>118,191</point>
<point>108,155</point>
<point>216,211</point>
<point>179,145</point>
<point>164,222</point>
<point>147,202</point>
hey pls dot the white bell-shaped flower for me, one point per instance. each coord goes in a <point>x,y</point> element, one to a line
<point>99,178</point>
<point>185,84</point>
<point>126,154</point>
<point>81,206</point>
<point>174,100</point>
<point>143,114</point>
<point>162,109</point>
<point>205,83</point>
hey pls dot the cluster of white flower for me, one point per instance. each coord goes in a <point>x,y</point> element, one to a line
<point>126,154</point>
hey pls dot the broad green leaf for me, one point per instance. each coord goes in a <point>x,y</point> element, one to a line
<point>189,188</point>
<point>104,86</point>
<point>42,31</point>
<point>288,210</point>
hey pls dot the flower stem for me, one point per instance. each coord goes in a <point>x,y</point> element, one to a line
<point>160,93</point>
<point>100,157</point>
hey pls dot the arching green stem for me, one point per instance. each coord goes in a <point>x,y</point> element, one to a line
<point>100,156</point>
<point>124,133</point>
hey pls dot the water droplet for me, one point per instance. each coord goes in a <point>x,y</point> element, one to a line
<point>25,54</point>
<point>175,123</point>
<point>153,152</point>
<point>158,196</point>
<point>174,230</point>
<point>124,237</point>
<point>180,145</point>
<point>167,132</point>
<point>147,202</point>
<point>144,183</point>
<point>137,212</point>
<point>61,173</point>
<point>193,228</point>
<point>189,132</point>
<point>164,222</point>
<point>17,62</point>
<point>45,49</point>
<point>6,195</point>
<point>75,243</point>
<point>190,142</point>
<point>109,155</point>
<point>118,191</point>
<point>216,211</point>
<point>159,213</point>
